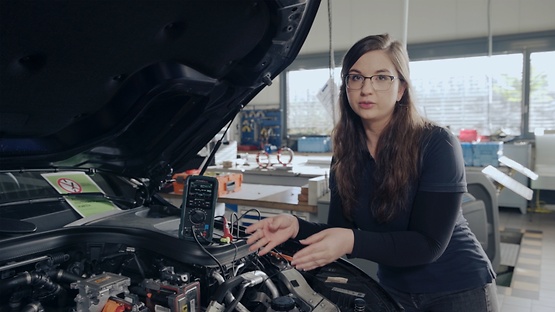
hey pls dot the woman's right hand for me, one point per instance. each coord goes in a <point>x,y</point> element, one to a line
<point>270,232</point>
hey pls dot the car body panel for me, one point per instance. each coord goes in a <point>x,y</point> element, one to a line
<point>101,101</point>
<point>135,87</point>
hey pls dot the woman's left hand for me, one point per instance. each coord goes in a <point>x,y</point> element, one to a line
<point>323,247</point>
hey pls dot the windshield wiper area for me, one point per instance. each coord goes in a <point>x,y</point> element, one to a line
<point>128,203</point>
<point>13,226</point>
<point>116,199</point>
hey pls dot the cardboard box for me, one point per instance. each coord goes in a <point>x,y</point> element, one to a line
<point>227,182</point>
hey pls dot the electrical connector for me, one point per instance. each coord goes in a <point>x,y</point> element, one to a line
<point>227,233</point>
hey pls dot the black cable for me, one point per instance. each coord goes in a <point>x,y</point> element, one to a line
<point>226,287</point>
<point>250,210</point>
<point>234,258</point>
<point>208,253</point>
<point>234,214</point>
<point>238,298</point>
<point>244,214</point>
<point>134,256</point>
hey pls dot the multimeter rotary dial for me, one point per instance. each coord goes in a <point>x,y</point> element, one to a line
<point>197,216</point>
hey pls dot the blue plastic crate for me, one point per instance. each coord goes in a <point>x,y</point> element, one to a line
<point>314,144</point>
<point>468,155</point>
<point>486,153</point>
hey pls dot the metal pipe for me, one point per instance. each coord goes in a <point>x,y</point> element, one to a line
<point>405,22</point>
<point>229,296</point>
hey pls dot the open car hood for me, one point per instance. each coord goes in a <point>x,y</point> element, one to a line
<point>134,87</point>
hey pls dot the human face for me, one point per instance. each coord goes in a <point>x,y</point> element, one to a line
<point>375,108</point>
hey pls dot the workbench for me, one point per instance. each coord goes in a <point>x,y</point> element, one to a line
<point>268,199</point>
<point>302,169</point>
<point>268,196</point>
<point>271,191</point>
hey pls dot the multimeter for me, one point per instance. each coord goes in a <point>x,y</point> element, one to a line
<point>200,194</point>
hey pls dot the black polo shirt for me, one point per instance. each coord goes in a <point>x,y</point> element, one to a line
<point>429,247</point>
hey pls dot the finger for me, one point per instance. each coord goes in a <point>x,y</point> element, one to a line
<point>256,236</point>
<point>264,245</point>
<point>305,266</point>
<point>307,251</point>
<point>305,255</point>
<point>253,238</point>
<point>269,247</point>
<point>282,221</point>
<point>312,266</point>
<point>312,239</point>
<point>315,254</point>
<point>258,244</point>
<point>309,264</point>
<point>274,224</point>
<point>252,228</point>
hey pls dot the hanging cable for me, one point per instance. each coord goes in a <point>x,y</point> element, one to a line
<point>489,68</point>
<point>331,62</point>
<point>212,154</point>
<point>330,39</point>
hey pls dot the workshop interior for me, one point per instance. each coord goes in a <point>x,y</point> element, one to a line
<point>138,139</point>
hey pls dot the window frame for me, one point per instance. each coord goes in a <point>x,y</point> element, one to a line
<point>526,43</point>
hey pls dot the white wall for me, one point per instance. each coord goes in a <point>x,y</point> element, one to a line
<point>428,21</point>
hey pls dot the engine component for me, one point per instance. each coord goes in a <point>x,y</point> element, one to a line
<point>115,304</point>
<point>102,272</point>
<point>283,304</point>
<point>310,299</point>
<point>189,300</point>
<point>95,292</point>
<point>177,297</point>
<point>168,274</point>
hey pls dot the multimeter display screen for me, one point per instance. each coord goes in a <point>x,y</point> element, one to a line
<point>197,216</point>
<point>201,194</point>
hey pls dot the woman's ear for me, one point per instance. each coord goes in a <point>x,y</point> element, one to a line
<point>401,91</point>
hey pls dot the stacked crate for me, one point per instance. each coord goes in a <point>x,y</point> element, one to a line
<point>314,144</point>
<point>482,154</point>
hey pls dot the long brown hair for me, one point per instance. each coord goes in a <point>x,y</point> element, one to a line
<point>398,149</point>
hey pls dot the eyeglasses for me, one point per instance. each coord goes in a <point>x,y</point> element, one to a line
<point>379,82</point>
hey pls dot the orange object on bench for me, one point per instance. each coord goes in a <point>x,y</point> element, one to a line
<point>179,180</point>
<point>227,182</point>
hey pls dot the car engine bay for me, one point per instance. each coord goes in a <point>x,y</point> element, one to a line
<point>101,267</point>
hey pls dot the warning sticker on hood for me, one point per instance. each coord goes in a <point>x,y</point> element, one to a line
<point>74,183</point>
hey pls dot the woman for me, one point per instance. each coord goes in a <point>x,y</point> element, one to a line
<point>396,184</point>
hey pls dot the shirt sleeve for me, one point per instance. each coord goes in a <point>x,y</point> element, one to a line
<point>430,227</point>
<point>442,167</point>
<point>336,217</point>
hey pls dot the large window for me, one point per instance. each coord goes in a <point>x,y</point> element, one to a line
<point>542,90</point>
<point>511,92</point>
<point>306,114</point>
<point>483,93</point>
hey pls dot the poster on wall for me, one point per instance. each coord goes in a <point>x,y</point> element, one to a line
<point>260,129</point>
